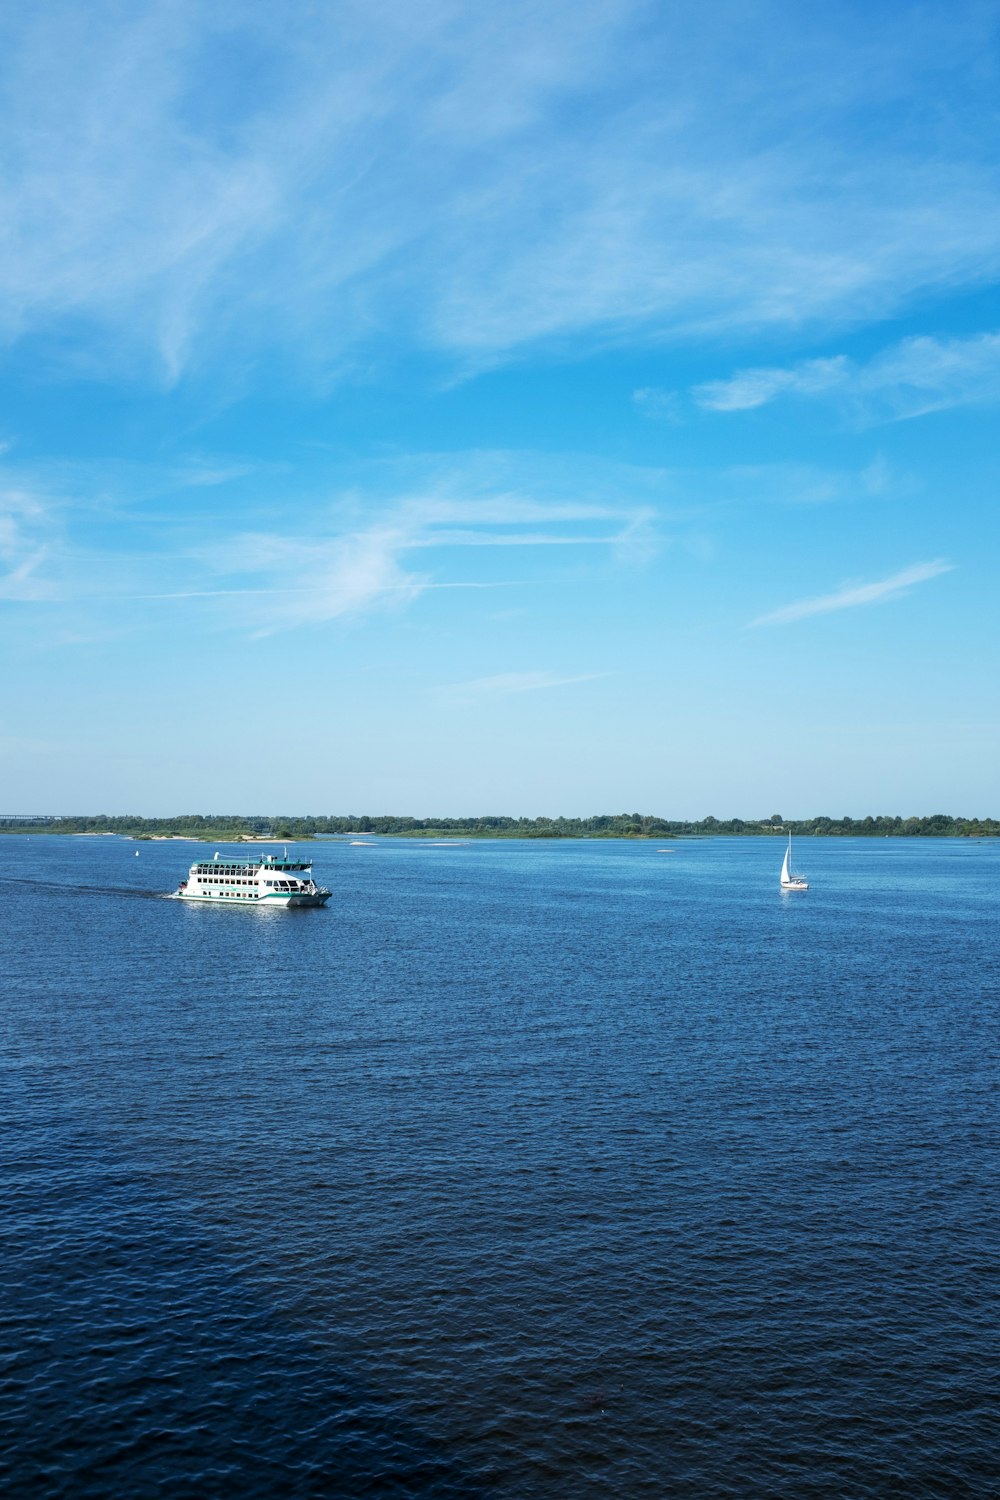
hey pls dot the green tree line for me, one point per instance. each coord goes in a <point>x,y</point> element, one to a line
<point>604,825</point>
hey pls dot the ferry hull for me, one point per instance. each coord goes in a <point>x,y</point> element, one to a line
<point>320,898</point>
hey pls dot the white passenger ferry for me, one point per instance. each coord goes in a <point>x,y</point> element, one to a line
<point>268,881</point>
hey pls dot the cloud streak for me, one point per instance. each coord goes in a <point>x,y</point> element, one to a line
<point>322,576</point>
<point>748,389</point>
<point>851,596</point>
<point>910,379</point>
<point>26,529</point>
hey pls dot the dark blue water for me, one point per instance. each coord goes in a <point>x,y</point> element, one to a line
<point>520,1170</point>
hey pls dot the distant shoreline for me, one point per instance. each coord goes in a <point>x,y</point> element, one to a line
<point>635,827</point>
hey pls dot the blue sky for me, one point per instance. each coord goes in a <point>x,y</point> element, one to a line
<point>464,409</point>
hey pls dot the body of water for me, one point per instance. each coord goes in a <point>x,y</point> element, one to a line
<point>519,1170</point>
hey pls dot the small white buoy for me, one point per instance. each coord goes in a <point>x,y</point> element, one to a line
<point>137,854</point>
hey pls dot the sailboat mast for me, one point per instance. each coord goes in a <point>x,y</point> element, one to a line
<point>789,880</point>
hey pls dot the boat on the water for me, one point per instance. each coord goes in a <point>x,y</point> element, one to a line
<point>267,881</point>
<point>789,880</point>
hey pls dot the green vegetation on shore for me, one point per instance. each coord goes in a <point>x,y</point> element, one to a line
<point>607,825</point>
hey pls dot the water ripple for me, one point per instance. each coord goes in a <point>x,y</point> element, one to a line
<point>527,1172</point>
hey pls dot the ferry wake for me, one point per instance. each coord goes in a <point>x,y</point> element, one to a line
<point>269,881</point>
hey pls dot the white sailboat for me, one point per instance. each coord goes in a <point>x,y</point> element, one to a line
<point>790,881</point>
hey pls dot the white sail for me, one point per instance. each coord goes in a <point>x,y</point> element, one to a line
<point>790,882</point>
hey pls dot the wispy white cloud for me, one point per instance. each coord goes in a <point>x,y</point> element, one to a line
<point>503,684</point>
<point>207,475</point>
<point>852,595</point>
<point>333,569</point>
<point>756,387</point>
<point>474,179</point>
<point>23,583</point>
<point>26,528</point>
<point>331,576</point>
<point>910,379</point>
<point>923,375</point>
